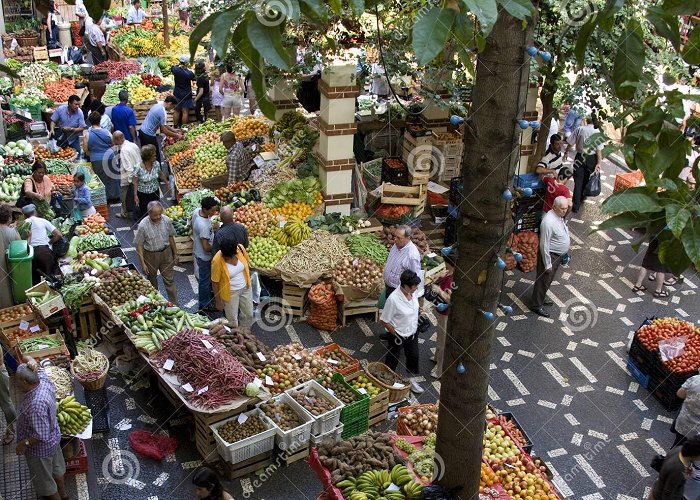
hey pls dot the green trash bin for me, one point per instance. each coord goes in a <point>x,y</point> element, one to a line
<point>19,258</point>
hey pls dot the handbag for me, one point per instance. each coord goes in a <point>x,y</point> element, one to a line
<point>423,324</point>
<point>657,462</point>
<point>60,248</point>
<point>593,187</point>
<point>24,200</point>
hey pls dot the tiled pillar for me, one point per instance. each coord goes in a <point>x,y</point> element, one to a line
<point>283,96</point>
<point>336,125</point>
<point>436,114</point>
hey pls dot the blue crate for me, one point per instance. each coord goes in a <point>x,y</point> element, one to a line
<point>527,180</point>
<point>641,377</point>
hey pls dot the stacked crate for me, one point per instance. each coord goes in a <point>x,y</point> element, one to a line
<point>417,153</point>
<point>450,148</point>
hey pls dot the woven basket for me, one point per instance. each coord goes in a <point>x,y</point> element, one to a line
<point>395,395</point>
<point>94,384</point>
<point>29,41</point>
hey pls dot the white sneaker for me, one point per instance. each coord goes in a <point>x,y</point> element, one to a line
<point>415,387</point>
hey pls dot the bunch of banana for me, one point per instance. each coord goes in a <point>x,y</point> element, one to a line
<point>376,485</point>
<point>277,233</point>
<point>413,490</point>
<point>400,475</point>
<point>72,416</point>
<point>296,230</point>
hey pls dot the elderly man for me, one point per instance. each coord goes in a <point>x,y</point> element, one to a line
<point>70,120</point>
<point>554,244</point>
<point>404,255</point>
<point>127,156</point>
<point>155,246</point>
<point>38,434</point>
<point>123,117</point>
<point>229,231</point>
<point>41,235</point>
<point>238,158</point>
<point>155,121</point>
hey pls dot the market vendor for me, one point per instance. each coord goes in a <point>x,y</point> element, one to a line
<point>156,120</point>
<point>38,188</point>
<point>95,41</point>
<point>136,14</point>
<point>41,235</point>
<point>238,160</point>
<point>68,123</point>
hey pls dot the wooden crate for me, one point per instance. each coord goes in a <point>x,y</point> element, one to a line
<point>115,335</point>
<point>87,320</point>
<point>352,308</point>
<point>40,53</point>
<point>403,195</point>
<point>449,143</point>
<point>289,458</point>
<point>262,461</point>
<point>183,245</point>
<point>294,298</point>
<point>431,275</point>
<point>48,351</point>
<point>378,405</point>
<point>9,326</point>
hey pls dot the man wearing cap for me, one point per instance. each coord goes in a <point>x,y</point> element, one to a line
<point>155,122</point>
<point>41,235</point>
<point>182,91</point>
<point>238,161</point>
<point>124,118</point>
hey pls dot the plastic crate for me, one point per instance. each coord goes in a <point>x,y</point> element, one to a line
<point>357,410</point>
<point>330,437</point>
<point>354,428</point>
<point>627,180</point>
<point>450,231</point>
<point>248,447</point>
<point>352,368</point>
<point>297,437</point>
<point>456,191</point>
<point>51,306</point>
<point>532,181</point>
<point>326,421</point>
<point>79,463</point>
<point>397,176</point>
<point>372,173</point>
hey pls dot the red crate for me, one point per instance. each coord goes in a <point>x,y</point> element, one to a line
<point>349,370</point>
<point>627,180</point>
<point>103,210</point>
<point>79,463</point>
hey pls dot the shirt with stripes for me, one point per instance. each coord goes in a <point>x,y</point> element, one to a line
<point>400,260</point>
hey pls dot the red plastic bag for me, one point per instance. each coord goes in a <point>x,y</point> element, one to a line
<point>151,445</point>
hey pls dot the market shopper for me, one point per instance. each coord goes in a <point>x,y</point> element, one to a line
<point>573,120</point>
<point>250,93</point>
<point>687,423</point>
<point>183,91</point>
<point>41,235</point>
<point>231,88</point>
<point>202,100</point>
<point>135,14</point>
<point>183,8</point>
<point>238,158</point>
<point>553,158</point>
<point>8,233</point>
<point>155,246</point>
<point>105,120</point>
<point>38,433</point>
<point>95,42</point>
<point>400,319</point>
<point>554,244</point>
<point>443,289</point>
<point>404,255</point>
<point>127,157</point>
<point>230,231</point>
<point>68,123</point>
<point>207,485</point>
<point>675,471</point>
<point>217,97</point>
<point>555,186</point>
<point>233,291</point>
<point>99,147</point>
<point>588,159</point>
<point>6,405</point>
<point>51,25</point>
<point>124,118</point>
<point>651,262</point>
<point>203,237</point>
<point>145,179</point>
<point>81,195</point>
<point>156,121</point>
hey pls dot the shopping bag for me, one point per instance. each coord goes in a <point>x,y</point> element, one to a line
<point>593,187</point>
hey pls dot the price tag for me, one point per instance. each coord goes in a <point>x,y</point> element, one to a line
<point>333,361</point>
<point>255,148</point>
<point>214,351</point>
<point>168,365</point>
<point>362,390</point>
<point>257,382</point>
<point>35,328</point>
<point>205,332</point>
<point>242,418</point>
<point>397,385</point>
<point>202,390</point>
<point>268,380</point>
<point>392,487</point>
<point>431,255</point>
<point>93,272</point>
<point>355,262</point>
<point>228,330</point>
<point>331,391</point>
<point>297,357</point>
<point>42,346</point>
<point>261,356</point>
<point>207,344</point>
<point>23,325</point>
<point>142,298</point>
<point>188,387</point>
<point>258,161</point>
<point>282,223</point>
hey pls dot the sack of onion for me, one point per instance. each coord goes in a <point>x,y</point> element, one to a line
<point>358,279</point>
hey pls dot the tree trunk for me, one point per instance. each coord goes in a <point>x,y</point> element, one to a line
<point>492,146</point>
<point>166,24</point>
<point>548,112</point>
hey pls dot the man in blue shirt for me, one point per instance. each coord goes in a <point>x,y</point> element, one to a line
<point>155,122</point>
<point>572,121</point>
<point>124,118</point>
<point>70,119</point>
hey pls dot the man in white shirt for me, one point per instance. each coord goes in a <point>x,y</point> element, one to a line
<point>136,14</point>
<point>80,12</point>
<point>128,157</point>
<point>587,160</point>
<point>404,255</point>
<point>41,235</point>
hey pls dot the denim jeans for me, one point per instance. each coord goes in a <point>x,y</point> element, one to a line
<point>205,292</point>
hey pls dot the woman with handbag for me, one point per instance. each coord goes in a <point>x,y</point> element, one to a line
<point>145,179</point>
<point>400,319</point>
<point>230,276</point>
<point>99,146</point>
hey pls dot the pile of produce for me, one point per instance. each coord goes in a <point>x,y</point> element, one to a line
<point>203,362</point>
<point>264,253</point>
<point>58,166</point>
<point>351,458</point>
<point>59,91</point>
<point>151,80</point>
<point>343,393</point>
<point>526,243</point>
<point>10,188</point>
<point>417,237</point>
<point>209,126</point>
<point>365,386</point>
<point>193,200</point>
<point>319,254</point>
<point>60,378</point>
<point>361,274</point>
<point>16,151</point>
<point>305,190</point>
<point>420,420</point>
<point>266,177</point>
<point>36,74</point>
<point>292,232</point>
<point>367,246</point>
<point>498,444</point>
<point>42,153</point>
<point>234,431</point>
<point>250,126</point>
<point>117,70</point>
<point>138,42</point>
<point>245,347</point>
<point>73,417</point>
<point>89,365</point>
<point>39,298</point>
<point>225,194</point>
<point>386,377</point>
<point>281,414</point>
<point>255,217</point>
<point>74,293</point>
<point>94,259</point>
<point>205,138</point>
<point>15,313</point>
<point>91,241</point>
<point>513,430</point>
<point>322,307</point>
<point>188,177</point>
<point>315,404</point>
<point>120,285</point>
<point>513,474</point>
<point>396,484</point>
<point>294,365</point>
<point>210,160</point>
<point>298,210</point>
<point>336,223</point>
<point>17,333</point>
<point>176,147</point>
<point>94,223</point>
<point>391,212</point>
<point>664,328</point>
<point>179,219</point>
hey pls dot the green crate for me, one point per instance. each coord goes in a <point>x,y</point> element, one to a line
<point>354,428</point>
<point>354,411</point>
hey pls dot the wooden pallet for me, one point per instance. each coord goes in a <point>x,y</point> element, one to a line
<point>87,320</point>
<point>352,308</point>
<point>289,458</point>
<point>262,461</point>
<point>183,245</point>
<point>294,298</point>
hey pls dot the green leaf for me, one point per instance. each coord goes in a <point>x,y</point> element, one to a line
<point>519,9</point>
<point>623,220</point>
<point>671,253</point>
<point>629,63</point>
<point>680,7</point>
<point>463,31</point>
<point>221,30</point>
<point>673,151</point>
<point>691,242</point>
<point>584,35</point>
<point>480,42</point>
<point>606,18</point>
<point>267,40</point>
<point>667,184</point>
<point>357,7</point>
<point>201,31</point>
<point>430,33</point>
<point>486,11</point>
<point>631,200</point>
<point>691,50</point>
<point>665,25</point>
<point>336,6</point>
<point>314,9</point>
<point>676,219</point>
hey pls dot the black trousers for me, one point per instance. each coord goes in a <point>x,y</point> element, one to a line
<point>198,106</point>
<point>410,348</point>
<point>145,199</point>
<point>150,139</point>
<point>543,280</point>
<point>44,261</point>
<point>584,165</point>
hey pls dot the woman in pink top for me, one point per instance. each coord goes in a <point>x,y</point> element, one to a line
<point>231,88</point>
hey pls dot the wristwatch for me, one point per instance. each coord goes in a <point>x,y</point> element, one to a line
<point>26,442</point>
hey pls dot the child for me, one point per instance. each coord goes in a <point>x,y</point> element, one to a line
<point>81,196</point>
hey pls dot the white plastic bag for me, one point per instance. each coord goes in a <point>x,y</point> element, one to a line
<point>672,348</point>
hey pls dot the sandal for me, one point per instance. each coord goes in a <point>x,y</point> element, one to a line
<point>652,277</point>
<point>671,281</point>
<point>661,294</point>
<point>9,435</point>
<point>640,288</point>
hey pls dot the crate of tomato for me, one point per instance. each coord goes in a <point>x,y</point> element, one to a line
<point>338,359</point>
<point>25,328</point>
<point>394,170</point>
